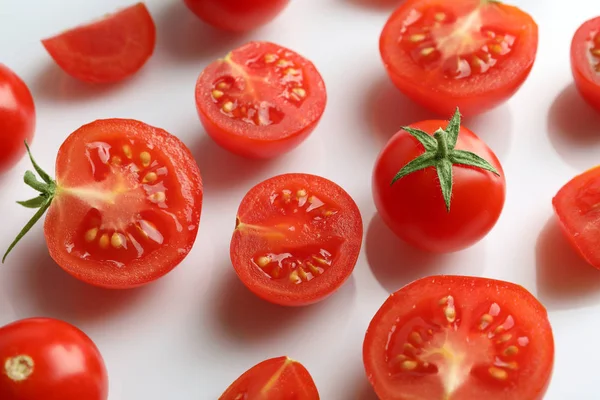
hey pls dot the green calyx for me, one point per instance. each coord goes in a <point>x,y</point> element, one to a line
<point>440,154</point>
<point>46,189</point>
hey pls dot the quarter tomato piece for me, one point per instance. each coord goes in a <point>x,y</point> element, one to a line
<point>125,207</point>
<point>471,54</point>
<point>275,379</point>
<point>108,50</point>
<point>261,100</point>
<point>585,61</point>
<point>44,358</point>
<point>297,239</point>
<point>460,338</point>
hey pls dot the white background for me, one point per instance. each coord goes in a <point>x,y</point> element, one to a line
<point>189,335</point>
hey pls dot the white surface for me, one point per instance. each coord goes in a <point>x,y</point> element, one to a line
<point>192,333</point>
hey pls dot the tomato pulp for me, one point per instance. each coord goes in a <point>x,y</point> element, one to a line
<point>261,100</point>
<point>585,61</point>
<point>460,338</point>
<point>48,359</point>
<point>275,379</point>
<point>471,54</point>
<point>297,239</point>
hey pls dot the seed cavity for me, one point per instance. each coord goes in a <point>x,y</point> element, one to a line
<point>217,94</point>
<point>127,151</point>
<point>158,197</point>
<point>449,309</point>
<point>409,365</point>
<point>116,240</point>
<point>299,91</point>
<point>498,373</point>
<point>228,106</point>
<point>150,177</point>
<point>270,58</point>
<point>511,351</point>
<point>145,158</point>
<point>91,234</point>
<point>417,37</point>
<point>104,241</point>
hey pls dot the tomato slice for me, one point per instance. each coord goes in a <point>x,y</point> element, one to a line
<point>275,379</point>
<point>471,54</point>
<point>261,100</point>
<point>585,61</point>
<point>460,338</point>
<point>108,50</point>
<point>297,239</point>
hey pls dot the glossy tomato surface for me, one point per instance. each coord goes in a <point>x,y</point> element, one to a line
<point>108,50</point>
<point>128,203</point>
<point>585,61</point>
<point>297,239</point>
<point>275,379</point>
<point>471,54</point>
<point>49,359</point>
<point>17,117</point>
<point>237,15</point>
<point>260,101</point>
<point>460,338</point>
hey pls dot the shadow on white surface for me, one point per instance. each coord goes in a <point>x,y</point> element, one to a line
<point>357,386</point>
<point>495,128</point>
<point>376,4</point>
<point>564,280</point>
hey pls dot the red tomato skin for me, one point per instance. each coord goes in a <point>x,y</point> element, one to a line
<point>414,209</point>
<point>67,364</point>
<point>237,15</point>
<point>106,51</point>
<point>17,117</point>
<point>587,81</point>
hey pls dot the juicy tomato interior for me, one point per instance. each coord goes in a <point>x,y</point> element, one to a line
<point>297,239</point>
<point>275,379</point>
<point>460,338</point>
<point>585,61</point>
<point>128,203</point>
<point>261,100</point>
<point>473,54</point>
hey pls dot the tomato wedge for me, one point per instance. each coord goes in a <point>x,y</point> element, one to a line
<point>108,50</point>
<point>585,61</point>
<point>125,207</point>
<point>275,379</point>
<point>471,54</point>
<point>261,100</point>
<point>297,239</point>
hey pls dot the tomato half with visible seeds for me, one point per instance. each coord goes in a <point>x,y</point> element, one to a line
<point>275,379</point>
<point>585,61</point>
<point>471,54</point>
<point>44,358</point>
<point>460,338</point>
<point>125,207</point>
<point>261,100</point>
<point>297,239</point>
<point>108,50</point>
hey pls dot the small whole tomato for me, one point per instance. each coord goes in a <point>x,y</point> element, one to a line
<point>440,190</point>
<point>585,61</point>
<point>44,358</point>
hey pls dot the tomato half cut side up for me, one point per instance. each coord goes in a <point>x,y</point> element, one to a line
<point>108,50</point>
<point>297,239</point>
<point>261,100</point>
<point>125,207</point>
<point>460,338</point>
<point>585,61</point>
<point>278,378</point>
<point>471,54</point>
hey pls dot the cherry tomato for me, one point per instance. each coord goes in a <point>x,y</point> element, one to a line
<point>297,239</point>
<point>471,54</point>
<point>125,207</point>
<point>17,117</point>
<point>237,15</point>
<point>108,50</point>
<point>460,338</point>
<point>275,379</point>
<point>585,61</point>
<point>48,359</point>
<point>261,100</point>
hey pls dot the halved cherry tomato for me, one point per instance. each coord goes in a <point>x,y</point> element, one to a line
<point>237,15</point>
<point>585,61</point>
<point>577,206</point>
<point>106,51</point>
<point>44,358</point>
<point>297,239</point>
<point>125,207</point>
<point>261,100</point>
<point>471,54</point>
<point>17,117</point>
<point>275,379</point>
<point>460,338</point>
